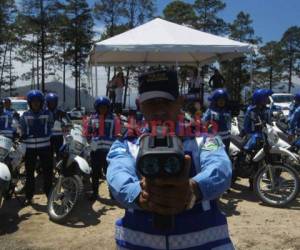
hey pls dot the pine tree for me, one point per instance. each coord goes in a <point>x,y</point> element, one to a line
<point>78,35</point>
<point>270,63</point>
<point>207,16</point>
<point>8,41</point>
<point>237,71</point>
<point>37,18</point>
<point>291,49</point>
<point>180,12</point>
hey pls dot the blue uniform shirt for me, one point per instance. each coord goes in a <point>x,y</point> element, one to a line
<point>202,227</point>
<point>222,118</point>
<point>294,123</point>
<point>213,171</point>
<point>6,120</point>
<point>252,117</point>
<point>101,139</point>
<point>36,128</point>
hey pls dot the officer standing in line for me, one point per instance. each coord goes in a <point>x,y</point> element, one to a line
<point>294,105</point>
<point>6,120</point>
<point>57,138</point>
<point>198,222</point>
<point>219,113</point>
<point>7,108</point>
<point>36,125</point>
<point>256,113</point>
<point>101,136</point>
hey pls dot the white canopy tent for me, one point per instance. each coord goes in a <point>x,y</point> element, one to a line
<point>163,42</point>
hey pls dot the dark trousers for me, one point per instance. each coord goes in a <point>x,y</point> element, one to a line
<point>56,142</point>
<point>99,164</point>
<point>46,160</point>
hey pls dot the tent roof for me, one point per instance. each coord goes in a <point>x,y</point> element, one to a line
<point>163,42</point>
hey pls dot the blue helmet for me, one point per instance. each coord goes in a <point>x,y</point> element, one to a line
<point>297,97</point>
<point>6,99</point>
<point>218,94</point>
<point>35,95</point>
<point>268,92</point>
<point>260,96</point>
<point>101,101</point>
<point>51,97</point>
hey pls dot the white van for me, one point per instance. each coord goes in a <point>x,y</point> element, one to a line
<point>20,105</point>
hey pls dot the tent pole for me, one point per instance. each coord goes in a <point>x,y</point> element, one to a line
<point>96,78</point>
<point>126,87</point>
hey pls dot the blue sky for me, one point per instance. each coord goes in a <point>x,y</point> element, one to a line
<point>270,17</point>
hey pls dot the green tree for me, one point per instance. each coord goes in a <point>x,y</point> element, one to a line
<point>207,16</point>
<point>271,63</point>
<point>78,35</point>
<point>138,11</point>
<point>37,18</point>
<point>291,50</point>
<point>237,71</point>
<point>8,41</point>
<point>109,12</point>
<point>180,12</point>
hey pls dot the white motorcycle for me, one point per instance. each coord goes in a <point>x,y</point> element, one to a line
<point>72,168</point>
<point>10,160</point>
<point>275,181</point>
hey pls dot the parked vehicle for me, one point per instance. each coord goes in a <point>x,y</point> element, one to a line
<point>20,105</point>
<point>275,180</point>
<point>283,101</point>
<point>73,169</point>
<point>77,113</point>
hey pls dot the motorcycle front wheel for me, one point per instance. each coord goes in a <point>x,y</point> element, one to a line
<point>64,198</point>
<point>277,185</point>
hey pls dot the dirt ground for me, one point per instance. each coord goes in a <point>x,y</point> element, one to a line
<point>252,225</point>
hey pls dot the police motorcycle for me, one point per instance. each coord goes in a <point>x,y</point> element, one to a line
<point>73,170</point>
<point>11,156</point>
<point>275,180</point>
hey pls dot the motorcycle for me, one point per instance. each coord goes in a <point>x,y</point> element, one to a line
<point>275,180</point>
<point>72,169</point>
<point>11,156</point>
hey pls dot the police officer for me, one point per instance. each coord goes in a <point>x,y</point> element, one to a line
<point>36,124</point>
<point>101,136</point>
<point>6,121</point>
<point>8,108</point>
<point>294,105</point>
<point>255,114</point>
<point>294,126</point>
<point>219,114</point>
<point>198,222</point>
<point>60,118</point>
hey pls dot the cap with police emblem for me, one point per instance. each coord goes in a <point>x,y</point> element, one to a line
<point>158,84</point>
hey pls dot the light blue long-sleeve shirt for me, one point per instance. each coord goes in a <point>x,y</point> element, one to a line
<point>212,165</point>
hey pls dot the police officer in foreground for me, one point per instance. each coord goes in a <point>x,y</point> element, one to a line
<point>101,136</point>
<point>219,114</point>
<point>36,124</point>
<point>57,138</point>
<point>198,222</point>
